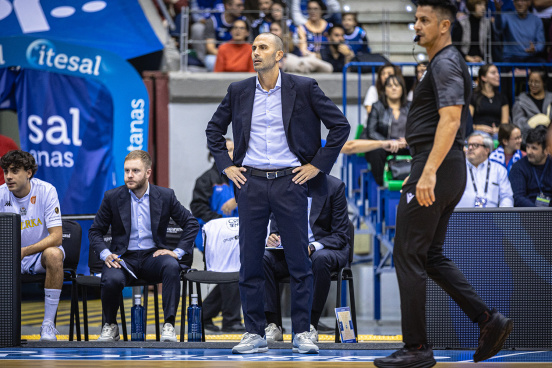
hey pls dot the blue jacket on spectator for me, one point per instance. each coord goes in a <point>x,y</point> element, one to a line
<point>518,33</point>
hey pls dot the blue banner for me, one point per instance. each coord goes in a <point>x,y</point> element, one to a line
<point>119,26</point>
<point>81,111</point>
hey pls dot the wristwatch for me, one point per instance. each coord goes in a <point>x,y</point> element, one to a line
<point>312,249</point>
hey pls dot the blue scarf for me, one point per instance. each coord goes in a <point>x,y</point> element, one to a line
<point>498,156</point>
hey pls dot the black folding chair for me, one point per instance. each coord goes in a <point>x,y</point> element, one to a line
<point>71,242</point>
<point>344,274</point>
<point>84,282</point>
<point>191,276</point>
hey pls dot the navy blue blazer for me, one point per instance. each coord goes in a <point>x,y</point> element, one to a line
<point>304,105</point>
<point>329,220</point>
<point>115,210</point>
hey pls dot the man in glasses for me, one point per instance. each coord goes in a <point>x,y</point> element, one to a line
<point>487,183</point>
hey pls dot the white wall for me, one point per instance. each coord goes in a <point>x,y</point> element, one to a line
<point>188,145</point>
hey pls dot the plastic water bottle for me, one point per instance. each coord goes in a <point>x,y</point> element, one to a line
<point>194,321</point>
<point>137,320</point>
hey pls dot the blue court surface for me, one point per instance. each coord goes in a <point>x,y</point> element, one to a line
<point>274,355</point>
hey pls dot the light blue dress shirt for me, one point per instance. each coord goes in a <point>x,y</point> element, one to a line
<point>268,147</point>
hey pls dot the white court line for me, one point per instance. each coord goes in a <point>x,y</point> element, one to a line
<point>507,355</point>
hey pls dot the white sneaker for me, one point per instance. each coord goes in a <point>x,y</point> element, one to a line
<point>303,345</point>
<point>110,332</point>
<point>313,334</point>
<point>48,332</point>
<point>251,343</point>
<point>168,333</point>
<point>273,333</point>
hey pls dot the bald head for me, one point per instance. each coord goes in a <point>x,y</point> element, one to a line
<point>275,40</point>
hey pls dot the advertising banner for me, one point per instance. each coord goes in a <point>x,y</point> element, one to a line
<point>119,26</point>
<point>81,111</point>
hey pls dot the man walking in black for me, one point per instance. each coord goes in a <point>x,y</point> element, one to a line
<point>435,133</point>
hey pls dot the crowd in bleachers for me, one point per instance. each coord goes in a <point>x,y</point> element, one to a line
<point>492,133</point>
<point>485,31</point>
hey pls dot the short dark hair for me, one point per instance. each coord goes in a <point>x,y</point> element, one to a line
<point>320,3</point>
<point>19,160</point>
<point>537,135</point>
<point>447,8</point>
<point>241,20</point>
<point>397,78</point>
<point>354,14</point>
<point>330,30</point>
<point>543,75</point>
<point>505,132</point>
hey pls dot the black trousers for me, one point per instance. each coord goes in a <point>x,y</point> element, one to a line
<point>257,199</point>
<point>162,269</point>
<point>225,298</point>
<point>418,251</point>
<point>324,261</point>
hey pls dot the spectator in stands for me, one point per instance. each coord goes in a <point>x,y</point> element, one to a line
<point>328,248</point>
<point>299,11</point>
<point>386,121</point>
<point>6,144</point>
<point>489,107</point>
<point>522,33</point>
<point>354,35</point>
<point>292,61</point>
<point>509,150</point>
<point>338,53</point>
<point>420,72</point>
<point>213,198</point>
<point>313,34</point>
<point>262,23</point>
<point>200,13</point>
<point>470,33</point>
<point>277,11</point>
<point>235,55</point>
<point>41,234</point>
<point>376,92</point>
<point>138,214</point>
<point>487,183</point>
<point>217,29</point>
<point>533,108</point>
<point>531,176</point>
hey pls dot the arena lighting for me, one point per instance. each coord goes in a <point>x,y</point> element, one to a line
<point>346,8</point>
<point>409,8</point>
<point>411,26</point>
<point>421,56</point>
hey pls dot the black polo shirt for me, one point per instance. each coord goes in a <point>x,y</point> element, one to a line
<point>447,82</point>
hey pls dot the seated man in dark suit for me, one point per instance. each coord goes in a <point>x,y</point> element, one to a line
<point>328,249</point>
<point>139,214</point>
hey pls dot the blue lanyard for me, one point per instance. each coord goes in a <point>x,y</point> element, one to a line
<point>542,175</point>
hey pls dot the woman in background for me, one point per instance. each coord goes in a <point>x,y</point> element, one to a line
<point>489,107</point>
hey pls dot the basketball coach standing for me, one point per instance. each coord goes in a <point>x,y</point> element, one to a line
<point>277,135</point>
<point>435,133</point>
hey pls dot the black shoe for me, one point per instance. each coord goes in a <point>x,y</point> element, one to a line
<point>235,328</point>
<point>493,333</point>
<point>210,326</point>
<point>421,357</point>
<point>322,328</point>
